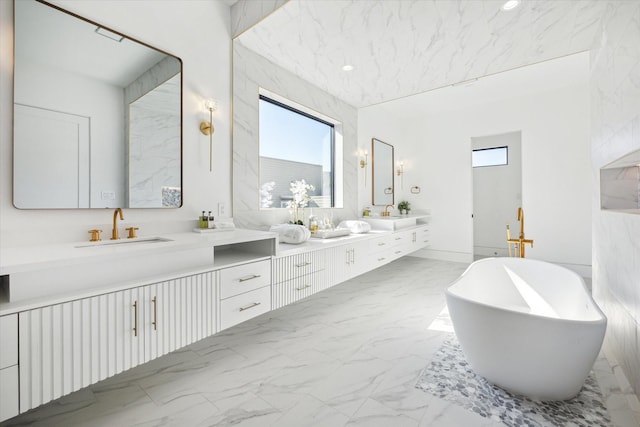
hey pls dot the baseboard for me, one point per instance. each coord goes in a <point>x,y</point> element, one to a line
<point>444,255</point>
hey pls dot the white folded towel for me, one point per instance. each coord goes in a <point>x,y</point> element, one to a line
<point>291,233</point>
<point>224,225</point>
<point>355,226</point>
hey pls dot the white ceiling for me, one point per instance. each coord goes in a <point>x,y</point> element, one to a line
<point>404,47</point>
<point>532,79</point>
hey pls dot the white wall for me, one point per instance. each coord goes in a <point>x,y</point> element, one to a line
<point>201,38</point>
<point>615,122</point>
<point>556,174</point>
<point>497,194</point>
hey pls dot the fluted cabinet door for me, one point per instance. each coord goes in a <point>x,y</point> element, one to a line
<point>66,347</point>
<point>177,313</point>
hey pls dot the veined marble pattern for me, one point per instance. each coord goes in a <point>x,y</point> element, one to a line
<point>347,356</point>
<point>250,73</point>
<point>401,48</point>
<point>154,144</point>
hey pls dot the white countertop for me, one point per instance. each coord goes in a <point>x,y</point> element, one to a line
<point>27,258</point>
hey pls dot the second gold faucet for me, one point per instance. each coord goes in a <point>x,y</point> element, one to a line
<point>114,233</point>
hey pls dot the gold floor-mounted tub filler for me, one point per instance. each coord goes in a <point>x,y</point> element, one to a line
<point>520,241</point>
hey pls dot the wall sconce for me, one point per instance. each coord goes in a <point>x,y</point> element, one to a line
<point>206,127</point>
<point>363,165</point>
<point>400,172</point>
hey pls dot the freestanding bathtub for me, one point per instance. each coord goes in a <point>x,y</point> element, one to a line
<point>527,326</point>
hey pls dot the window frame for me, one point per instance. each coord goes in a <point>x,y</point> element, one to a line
<point>281,104</point>
<point>506,163</point>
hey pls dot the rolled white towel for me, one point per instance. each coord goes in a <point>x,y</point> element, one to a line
<point>356,226</point>
<point>291,233</point>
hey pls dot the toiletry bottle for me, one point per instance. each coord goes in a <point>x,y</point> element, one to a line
<point>205,220</point>
<point>210,219</point>
<point>313,225</point>
<point>201,221</point>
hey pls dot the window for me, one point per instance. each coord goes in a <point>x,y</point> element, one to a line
<point>295,145</point>
<point>494,156</point>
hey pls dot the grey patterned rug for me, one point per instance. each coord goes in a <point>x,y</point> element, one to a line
<point>450,377</point>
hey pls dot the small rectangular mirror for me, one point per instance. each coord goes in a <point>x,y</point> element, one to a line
<point>97,115</point>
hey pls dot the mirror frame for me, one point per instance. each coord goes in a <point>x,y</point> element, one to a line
<point>373,173</point>
<point>181,118</point>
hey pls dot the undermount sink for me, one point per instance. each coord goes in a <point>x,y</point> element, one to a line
<point>125,242</point>
<point>392,222</point>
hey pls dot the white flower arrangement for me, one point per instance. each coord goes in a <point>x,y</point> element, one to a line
<point>300,198</point>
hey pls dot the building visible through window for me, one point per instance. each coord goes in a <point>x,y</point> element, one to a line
<point>294,146</point>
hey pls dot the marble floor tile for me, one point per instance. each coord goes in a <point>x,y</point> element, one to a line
<point>347,356</point>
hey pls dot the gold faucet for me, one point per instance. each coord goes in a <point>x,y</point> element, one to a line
<point>114,233</point>
<point>521,241</point>
<point>385,212</point>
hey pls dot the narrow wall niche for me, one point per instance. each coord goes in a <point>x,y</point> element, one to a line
<point>620,184</point>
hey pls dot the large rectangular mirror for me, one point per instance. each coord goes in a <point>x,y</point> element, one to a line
<point>382,171</point>
<point>97,115</point>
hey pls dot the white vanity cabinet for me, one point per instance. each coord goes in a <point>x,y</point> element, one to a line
<point>9,406</point>
<point>299,276</point>
<point>379,251</point>
<point>68,346</point>
<point>245,292</point>
<point>350,261</point>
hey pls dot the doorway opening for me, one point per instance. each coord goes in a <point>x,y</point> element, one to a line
<point>497,191</point>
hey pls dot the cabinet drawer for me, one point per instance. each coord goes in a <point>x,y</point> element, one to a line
<point>292,266</point>
<point>245,306</point>
<point>9,392</point>
<point>8,340</point>
<point>301,287</point>
<point>381,244</point>
<point>244,278</point>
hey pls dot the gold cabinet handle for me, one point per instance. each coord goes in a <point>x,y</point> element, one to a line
<point>381,259</point>
<point>398,252</point>
<point>381,243</point>
<point>255,304</point>
<point>155,313</point>
<point>244,279</point>
<point>303,288</point>
<point>398,238</point>
<point>303,264</point>
<point>135,319</point>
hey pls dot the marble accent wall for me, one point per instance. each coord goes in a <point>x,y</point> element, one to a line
<point>615,131</point>
<point>154,145</point>
<point>250,73</point>
<point>246,13</point>
<point>153,134</point>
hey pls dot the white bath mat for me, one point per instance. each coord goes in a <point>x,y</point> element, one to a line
<point>450,377</point>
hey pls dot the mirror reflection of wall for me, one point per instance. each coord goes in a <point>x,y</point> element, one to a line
<point>75,85</point>
<point>382,171</point>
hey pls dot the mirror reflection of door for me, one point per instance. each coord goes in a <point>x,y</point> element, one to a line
<point>51,164</point>
<point>497,191</point>
<point>382,171</point>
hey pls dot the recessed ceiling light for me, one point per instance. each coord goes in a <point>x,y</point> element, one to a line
<point>348,67</point>
<point>511,4</point>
